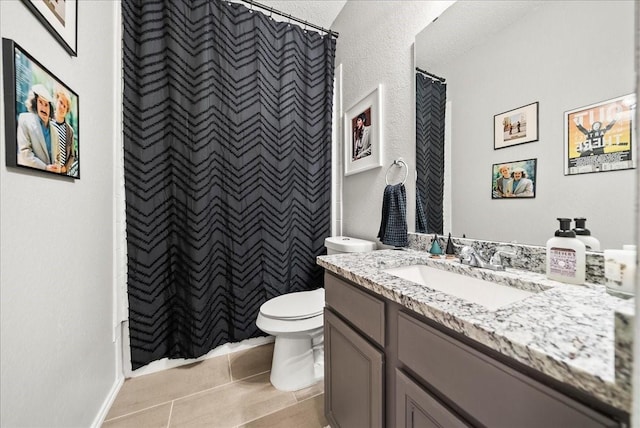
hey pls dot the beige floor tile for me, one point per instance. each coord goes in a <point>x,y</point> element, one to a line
<point>306,414</point>
<point>155,417</point>
<point>311,391</point>
<point>149,390</point>
<point>230,405</point>
<point>251,362</point>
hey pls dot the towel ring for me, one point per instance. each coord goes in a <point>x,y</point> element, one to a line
<point>398,162</point>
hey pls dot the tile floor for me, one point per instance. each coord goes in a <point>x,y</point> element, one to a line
<point>227,391</point>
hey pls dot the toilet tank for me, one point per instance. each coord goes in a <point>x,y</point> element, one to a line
<point>344,244</point>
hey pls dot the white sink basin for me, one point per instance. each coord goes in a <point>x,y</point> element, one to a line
<point>488,294</point>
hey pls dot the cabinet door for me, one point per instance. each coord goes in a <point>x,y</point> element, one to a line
<point>354,373</point>
<point>416,408</point>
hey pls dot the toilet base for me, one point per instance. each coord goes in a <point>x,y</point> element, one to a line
<point>294,366</point>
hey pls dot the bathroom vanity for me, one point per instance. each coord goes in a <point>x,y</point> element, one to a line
<point>400,354</point>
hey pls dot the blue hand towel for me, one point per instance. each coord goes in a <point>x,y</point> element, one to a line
<point>393,227</point>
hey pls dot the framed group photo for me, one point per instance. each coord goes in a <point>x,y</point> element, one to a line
<point>599,137</point>
<point>41,116</point>
<point>363,134</point>
<point>60,18</point>
<point>514,180</point>
<point>517,126</point>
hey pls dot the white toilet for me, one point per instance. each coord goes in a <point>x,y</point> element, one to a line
<point>296,320</point>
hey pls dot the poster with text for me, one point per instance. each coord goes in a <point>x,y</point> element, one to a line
<point>599,137</point>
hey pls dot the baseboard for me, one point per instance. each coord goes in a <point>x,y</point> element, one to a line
<point>108,402</point>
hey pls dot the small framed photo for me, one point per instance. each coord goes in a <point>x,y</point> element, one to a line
<point>599,137</point>
<point>41,116</point>
<point>514,180</point>
<point>60,18</point>
<point>517,126</point>
<point>363,134</point>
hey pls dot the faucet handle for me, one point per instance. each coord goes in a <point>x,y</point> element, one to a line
<point>468,256</point>
<point>496,258</point>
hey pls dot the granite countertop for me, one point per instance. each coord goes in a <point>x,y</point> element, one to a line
<point>567,332</point>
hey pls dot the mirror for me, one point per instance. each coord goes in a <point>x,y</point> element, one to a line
<point>499,56</point>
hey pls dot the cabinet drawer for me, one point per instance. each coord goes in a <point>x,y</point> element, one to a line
<point>488,391</point>
<point>362,310</point>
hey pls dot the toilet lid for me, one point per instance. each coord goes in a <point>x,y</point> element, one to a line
<point>299,305</point>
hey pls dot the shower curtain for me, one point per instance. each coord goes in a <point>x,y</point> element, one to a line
<point>227,139</point>
<point>430,115</point>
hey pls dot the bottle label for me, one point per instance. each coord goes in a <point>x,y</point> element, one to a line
<point>563,261</point>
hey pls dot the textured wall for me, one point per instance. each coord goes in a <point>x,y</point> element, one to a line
<point>376,47</point>
<point>56,255</point>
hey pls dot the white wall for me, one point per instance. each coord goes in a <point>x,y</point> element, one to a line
<point>376,47</point>
<point>58,354</point>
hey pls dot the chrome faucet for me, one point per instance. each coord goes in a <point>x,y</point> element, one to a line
<point>496,258</point>
<point>469,256</point>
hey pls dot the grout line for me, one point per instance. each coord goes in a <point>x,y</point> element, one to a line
<point>280,409</point>
<point>137,411</point>
<point>170,414</point>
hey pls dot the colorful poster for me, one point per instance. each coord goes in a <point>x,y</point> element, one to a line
<point>599,137</point>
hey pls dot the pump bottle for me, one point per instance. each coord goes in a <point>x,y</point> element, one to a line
<point>582,233</point>
<point>566,260</point>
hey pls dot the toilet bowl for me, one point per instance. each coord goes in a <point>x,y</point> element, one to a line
<point>296,320</point>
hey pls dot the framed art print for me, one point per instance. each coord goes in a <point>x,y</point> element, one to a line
<point>517,126</point>
<point>41,116</point>
<point>514,179</point>
<point>599,137</point>
<point>363,134</point>
<point>60,18</point>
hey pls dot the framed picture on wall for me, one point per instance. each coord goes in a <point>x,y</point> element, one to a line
<point>60,18</point>
<point>517,126</point>
<point>41,116</point>
<point>599,137</point>
<point>363,134</point>
<point>514,179</point>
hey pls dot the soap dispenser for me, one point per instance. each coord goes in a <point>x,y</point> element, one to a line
<point>566,260</point>
<point>435,249</point>
<point>582,233</point>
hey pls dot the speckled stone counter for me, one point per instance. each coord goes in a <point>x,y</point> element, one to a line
<point>564,331</point>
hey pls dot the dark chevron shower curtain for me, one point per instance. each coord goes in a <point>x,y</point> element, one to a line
<point>227,138</point>
<point>430,114</point>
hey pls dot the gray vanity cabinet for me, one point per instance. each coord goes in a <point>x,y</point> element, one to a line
<point>386,366</point>
<point>354,361</point>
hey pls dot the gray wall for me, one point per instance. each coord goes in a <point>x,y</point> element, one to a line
<point>564,55</point>
<point>58,350</point>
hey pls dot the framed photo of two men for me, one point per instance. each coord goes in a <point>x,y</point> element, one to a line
<point>41,116</point>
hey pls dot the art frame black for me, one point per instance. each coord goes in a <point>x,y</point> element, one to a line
<point>65,31</point>
<point>516,126</point>
<point>42,116</point>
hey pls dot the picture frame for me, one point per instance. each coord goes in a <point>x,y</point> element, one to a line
<point>42,116</point>
<point>517,126</point>
<point>60,18</point>
<point>363,143</point>
<point>599,137</point>
<point>514,179</point>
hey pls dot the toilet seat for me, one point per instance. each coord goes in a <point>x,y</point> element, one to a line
<point>294,306</point>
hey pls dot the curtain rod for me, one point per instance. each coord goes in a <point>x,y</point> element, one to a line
<point>433,76</point>
<point>291,18</point>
